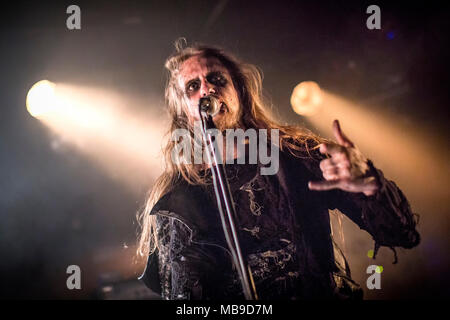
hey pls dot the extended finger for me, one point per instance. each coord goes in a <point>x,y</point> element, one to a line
<point>366,185</point>
<point>323,185</point>
<point>340,136</point>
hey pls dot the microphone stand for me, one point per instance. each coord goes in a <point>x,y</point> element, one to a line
<point>226,207</point>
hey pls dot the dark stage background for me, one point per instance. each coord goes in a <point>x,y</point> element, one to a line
<point>65,201</point>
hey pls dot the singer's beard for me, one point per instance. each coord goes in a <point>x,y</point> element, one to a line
<point>227,120</point>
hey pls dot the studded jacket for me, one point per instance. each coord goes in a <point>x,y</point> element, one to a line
<point>284,230</point>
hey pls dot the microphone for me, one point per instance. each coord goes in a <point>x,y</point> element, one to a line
<point>209,105</point>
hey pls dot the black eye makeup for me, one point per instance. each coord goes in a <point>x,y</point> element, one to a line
<point>217,78</point>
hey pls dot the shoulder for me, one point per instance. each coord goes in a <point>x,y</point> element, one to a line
<point>180,198</point>
<point>305,148</point>
<point>170,229</point>
<point>187,203</point>
<point>302,155</point>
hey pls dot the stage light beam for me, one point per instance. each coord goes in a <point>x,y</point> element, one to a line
<point>109,128</point>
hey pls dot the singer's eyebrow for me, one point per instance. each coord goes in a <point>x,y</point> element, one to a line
<point>212,65</point>
<point>191,80</point>
<point>213,72</point>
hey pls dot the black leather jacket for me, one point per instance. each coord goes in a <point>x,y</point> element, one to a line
<point>284,231</point>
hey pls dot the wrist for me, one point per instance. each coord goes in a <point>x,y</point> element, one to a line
<point>372,176</point>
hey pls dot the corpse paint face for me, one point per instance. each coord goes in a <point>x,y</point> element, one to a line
<point>199,77</point>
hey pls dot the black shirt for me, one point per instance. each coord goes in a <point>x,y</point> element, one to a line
<point>284,233</point>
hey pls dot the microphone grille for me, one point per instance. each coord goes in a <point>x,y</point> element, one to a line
<point>210,105</point>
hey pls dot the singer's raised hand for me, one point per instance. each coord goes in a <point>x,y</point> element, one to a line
<point>346,168</point>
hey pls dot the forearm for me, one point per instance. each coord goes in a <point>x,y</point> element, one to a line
<point>386,215</point>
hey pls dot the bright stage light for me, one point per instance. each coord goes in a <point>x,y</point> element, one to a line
<point>306,98</point>
<point>41,98</point>
<point>404,151</point>
<point>110,128</point>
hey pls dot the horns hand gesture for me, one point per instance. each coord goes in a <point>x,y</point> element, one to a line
<point>346,167</point>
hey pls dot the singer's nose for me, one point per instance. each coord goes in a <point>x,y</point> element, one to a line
<point>207,89</point>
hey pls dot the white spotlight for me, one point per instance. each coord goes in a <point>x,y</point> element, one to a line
<point>306,98</point>
<point>41,98</point>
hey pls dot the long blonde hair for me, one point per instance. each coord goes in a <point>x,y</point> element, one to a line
<point>247,80</point>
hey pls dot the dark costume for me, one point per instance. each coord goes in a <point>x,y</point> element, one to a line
<point>284,234</point>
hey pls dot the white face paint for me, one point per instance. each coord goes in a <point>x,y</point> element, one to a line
<point>199,77</point>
